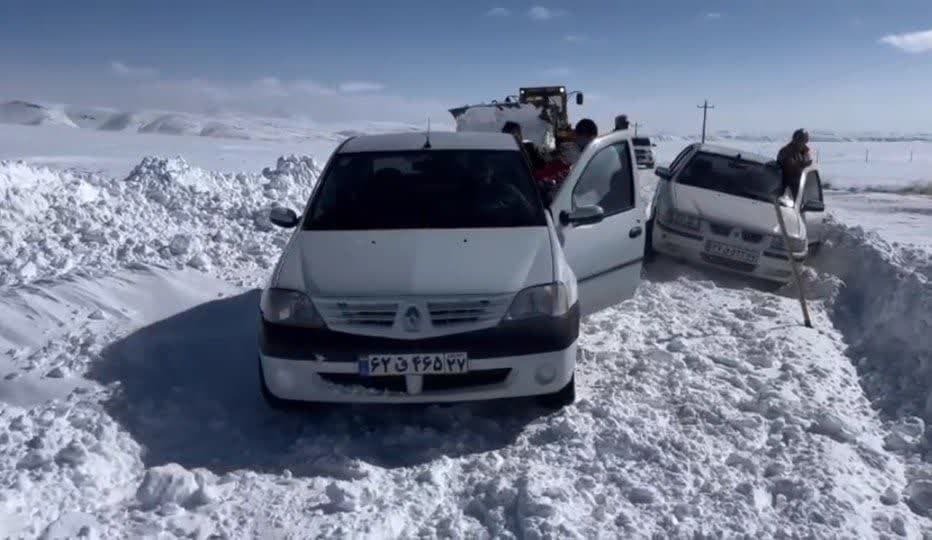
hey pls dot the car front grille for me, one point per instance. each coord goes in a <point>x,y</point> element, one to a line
<point>451,312</point>
<point>752,237</point>
<point>432,383</point>
<point>719,229</point>
<point>380,316</point>
<point>357,312</point>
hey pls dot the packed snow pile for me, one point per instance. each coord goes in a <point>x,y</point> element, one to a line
<point>884,310</point>
<point>165,212</point>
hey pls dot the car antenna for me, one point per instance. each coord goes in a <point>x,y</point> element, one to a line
<point>427,142</point>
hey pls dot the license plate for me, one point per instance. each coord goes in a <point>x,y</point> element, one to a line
<point>731,252</point>
<point>380,365</point>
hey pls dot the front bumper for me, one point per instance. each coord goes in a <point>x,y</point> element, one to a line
<point>531,357</point>
<point>772,266</point>
<point>489,378</point>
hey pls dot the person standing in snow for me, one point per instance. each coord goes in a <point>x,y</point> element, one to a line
<point>793,158</point>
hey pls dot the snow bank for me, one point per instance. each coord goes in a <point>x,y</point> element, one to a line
<point>32,114</point>
<point>120,121</point>
<point>171,124</point>
<point>224,131</point>
<point>164,212</point>
<point>884,311</point>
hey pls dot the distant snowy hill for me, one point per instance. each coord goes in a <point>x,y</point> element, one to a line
<point>32,114</point>
<point>815,135</point>
<point>223,126</point>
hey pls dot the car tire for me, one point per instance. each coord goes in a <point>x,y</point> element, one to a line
<point>561,398</point>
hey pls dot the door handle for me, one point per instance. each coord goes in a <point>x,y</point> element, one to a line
<point>634,232</point>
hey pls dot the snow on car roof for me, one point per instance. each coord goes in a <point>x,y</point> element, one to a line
<point>439,140</point>
<point>734,152</point>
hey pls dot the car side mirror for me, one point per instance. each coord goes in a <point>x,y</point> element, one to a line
<point>587,215</point>
<point>579,98</point>
<point>664,172</point>
<point>813,205</point>
<point>283,217</point>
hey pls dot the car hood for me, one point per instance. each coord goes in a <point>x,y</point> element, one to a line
<point>416,262</point>
<point>749,214</point>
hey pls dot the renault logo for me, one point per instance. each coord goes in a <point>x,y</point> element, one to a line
<point>412,319</point>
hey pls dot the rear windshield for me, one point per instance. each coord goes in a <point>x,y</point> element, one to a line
<point>428,189</point>
<point>724,174</point>
<point>640,141</point>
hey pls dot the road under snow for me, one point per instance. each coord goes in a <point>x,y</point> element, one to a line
<point>129,403</point>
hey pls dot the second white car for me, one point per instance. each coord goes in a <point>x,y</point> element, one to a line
<point>713,206</point>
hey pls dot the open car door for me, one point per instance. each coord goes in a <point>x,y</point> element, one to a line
<point>812,205</point>
<point>601,222</point>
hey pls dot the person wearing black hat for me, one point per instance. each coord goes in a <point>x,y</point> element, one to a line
<point>793,158</point>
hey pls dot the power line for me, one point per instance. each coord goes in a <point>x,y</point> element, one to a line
<point>705,110</point>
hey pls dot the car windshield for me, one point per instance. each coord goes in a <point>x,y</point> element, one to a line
<point>428,189</point>
<point>733,176</point>
<point>640,141</point>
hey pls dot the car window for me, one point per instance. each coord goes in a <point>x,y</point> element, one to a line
<point>813,189</point>
<point>426,189</point>
<point>748,179</point>
<point>607,181</point>
<point>640,141</point>
<point>679,159</point>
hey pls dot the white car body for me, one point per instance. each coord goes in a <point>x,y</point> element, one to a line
<point>436,291</point>
<point>732,232</point>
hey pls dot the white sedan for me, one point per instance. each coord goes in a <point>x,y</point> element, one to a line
<point>713,206</point>
<point>427,269</point>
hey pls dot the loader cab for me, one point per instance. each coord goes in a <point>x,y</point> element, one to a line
<point>553,102</point>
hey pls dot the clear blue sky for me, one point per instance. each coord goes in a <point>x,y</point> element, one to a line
<point>766,65</point>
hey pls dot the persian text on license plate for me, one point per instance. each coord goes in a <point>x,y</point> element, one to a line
<point>414,364</point>
<point>731,252</point>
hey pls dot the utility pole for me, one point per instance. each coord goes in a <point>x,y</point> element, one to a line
<point>636,124</point>
<point>705,110</point>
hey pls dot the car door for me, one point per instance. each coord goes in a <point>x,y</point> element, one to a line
<point>605,256</point>
<point>812,205</point>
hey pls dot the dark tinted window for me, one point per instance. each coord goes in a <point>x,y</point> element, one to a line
<point>732,176</point>
<point>607,181</point>
<point>640,141</point>
<point>813,190</point>
<point>429,189</point>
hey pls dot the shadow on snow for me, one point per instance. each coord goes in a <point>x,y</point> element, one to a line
<point>188,391</point>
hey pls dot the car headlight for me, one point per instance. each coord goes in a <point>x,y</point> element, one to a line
<point>292,308</point>
<point>796,244</point>
<point>543,300</point>
<point>682,220</point>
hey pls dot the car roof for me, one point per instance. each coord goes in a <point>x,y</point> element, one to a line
<point>734,152</point>
<point>439,140</point>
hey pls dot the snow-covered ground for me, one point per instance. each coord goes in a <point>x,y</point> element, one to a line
<point>128,383</point>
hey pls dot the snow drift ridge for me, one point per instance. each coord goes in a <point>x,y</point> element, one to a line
<point>165,212</point>
<point>884,311</point>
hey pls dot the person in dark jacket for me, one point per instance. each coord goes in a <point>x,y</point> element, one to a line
<point>793,158</point>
